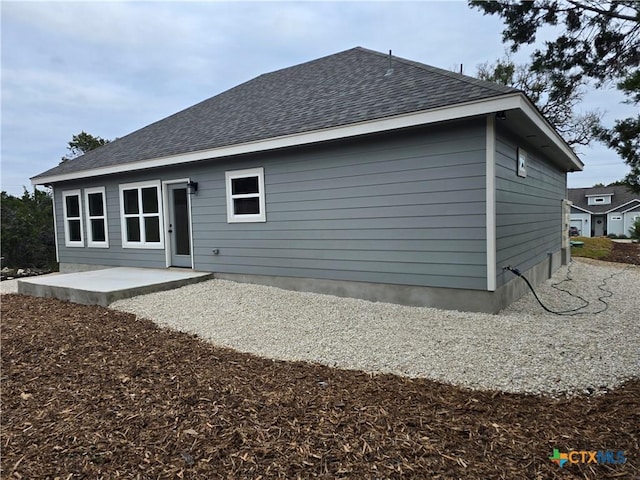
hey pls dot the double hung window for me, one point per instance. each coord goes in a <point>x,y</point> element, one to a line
<point>245,195</point>
<point>72,211</point>
<point>96,210</point>
<point>140,208</point>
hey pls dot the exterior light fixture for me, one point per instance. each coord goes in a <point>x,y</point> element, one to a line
<point>192,187</point>
<point>501,115</point>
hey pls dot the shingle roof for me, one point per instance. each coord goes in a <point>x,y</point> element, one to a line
<point>621,196</point>
<point>340,89</point>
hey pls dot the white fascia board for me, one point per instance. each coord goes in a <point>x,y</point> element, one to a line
<point>635,200</point>
<point>453,112</point>
<point>583,209</point>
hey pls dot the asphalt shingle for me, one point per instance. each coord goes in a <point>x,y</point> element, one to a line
<point>345,88</point>
<point>621,196</point>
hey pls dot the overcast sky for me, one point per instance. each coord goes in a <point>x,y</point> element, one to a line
<point>111,68</point>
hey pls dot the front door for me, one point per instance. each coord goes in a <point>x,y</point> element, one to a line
<point>599,226</point>
<point>179,229</point>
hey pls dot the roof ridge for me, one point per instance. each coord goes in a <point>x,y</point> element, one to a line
<point>440,71</point>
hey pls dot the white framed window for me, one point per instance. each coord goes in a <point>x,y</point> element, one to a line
<point>95,200</point>
<point>140,215</point>
<point>616,217</point>
<point>245,195</point>
<point>598,199</point>
<point>72,211</point>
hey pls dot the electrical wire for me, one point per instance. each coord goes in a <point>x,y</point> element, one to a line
<point>574,311</point>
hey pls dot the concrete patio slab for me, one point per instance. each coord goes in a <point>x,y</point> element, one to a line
<point>102,287</point>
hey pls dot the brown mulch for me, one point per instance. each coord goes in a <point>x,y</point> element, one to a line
<point>92,393</point>
<point>624,253</point>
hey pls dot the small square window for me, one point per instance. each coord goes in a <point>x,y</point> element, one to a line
<point>245,196</point>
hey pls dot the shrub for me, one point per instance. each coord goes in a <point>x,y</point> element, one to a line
<point>634,231</point>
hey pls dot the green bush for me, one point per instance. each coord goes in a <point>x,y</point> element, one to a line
<point>634,231</point>
<point>26,229</point>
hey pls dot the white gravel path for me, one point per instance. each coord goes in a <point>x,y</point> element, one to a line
<point>522,349</point>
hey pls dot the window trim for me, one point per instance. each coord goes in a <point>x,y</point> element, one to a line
<point>67,240</point>
<point>245,218</point>
<point>123,218</point>
<point>90,241</point>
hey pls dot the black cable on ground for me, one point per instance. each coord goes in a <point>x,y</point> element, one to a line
<point>574,311</point>
<point>568,278</point>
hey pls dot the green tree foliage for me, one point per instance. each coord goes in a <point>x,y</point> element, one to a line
<point>597,40</point>
<point>83,143</point>
<point>558,106</point>
<point>624,137</point>
<point>26,230</point>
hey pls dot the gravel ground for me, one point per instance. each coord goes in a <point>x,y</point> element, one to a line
<point>523,349</point>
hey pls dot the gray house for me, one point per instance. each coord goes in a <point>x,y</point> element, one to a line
<point>356,174</point>
<point>599,211</point>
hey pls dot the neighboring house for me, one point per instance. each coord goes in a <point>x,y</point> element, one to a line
<point>600,211</point>
<point>356,174</point>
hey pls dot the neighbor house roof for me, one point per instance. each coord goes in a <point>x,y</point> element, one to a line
<point>349,93</point>
<point>621,198</point>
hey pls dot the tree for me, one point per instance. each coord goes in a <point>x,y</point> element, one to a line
<point>559,109</point>
<point>26,228</point>
<point>624,137</point>
<point>83,143</point>
<point>596,40</point>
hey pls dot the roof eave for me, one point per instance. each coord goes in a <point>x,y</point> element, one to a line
<point>581,208</point>
<point>512,101</point>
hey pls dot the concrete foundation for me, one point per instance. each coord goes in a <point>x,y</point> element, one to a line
<point>444,298</point>
<point>80,267</point>
<point>84,289</point>
<point>104,286</point>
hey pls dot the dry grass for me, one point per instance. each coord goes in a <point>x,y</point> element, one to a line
<point>92,393</point>
<point>594,247</point>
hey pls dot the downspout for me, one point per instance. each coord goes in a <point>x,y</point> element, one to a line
<point>490,188</point>
<point>55,223</point>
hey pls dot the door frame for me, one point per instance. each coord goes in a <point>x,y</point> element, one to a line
<point>166,212</point>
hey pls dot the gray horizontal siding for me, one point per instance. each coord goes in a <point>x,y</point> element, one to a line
<point>405,208</point>
<point>528,210</point>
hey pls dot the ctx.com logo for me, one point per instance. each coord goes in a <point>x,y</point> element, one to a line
<point>600,457</point>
